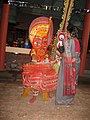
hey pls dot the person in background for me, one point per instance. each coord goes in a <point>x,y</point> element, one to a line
<point>66,88</point>
<point>74,35</point>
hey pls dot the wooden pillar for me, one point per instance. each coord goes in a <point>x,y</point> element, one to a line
<point>85,38</point>
<point>3,33</point>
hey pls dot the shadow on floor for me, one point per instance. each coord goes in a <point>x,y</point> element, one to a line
<point>15,107</point>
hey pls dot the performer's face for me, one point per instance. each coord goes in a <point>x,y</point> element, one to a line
<point>40,45</point>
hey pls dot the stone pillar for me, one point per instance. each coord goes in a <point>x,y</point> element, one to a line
<point>85,38</point>
<point>3,33</point>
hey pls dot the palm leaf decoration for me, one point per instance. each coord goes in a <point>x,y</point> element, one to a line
<point>68,6</point>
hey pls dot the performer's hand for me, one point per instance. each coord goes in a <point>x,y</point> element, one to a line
<point>62,55</point>
<point>57,52</point>
<point>73,60</point>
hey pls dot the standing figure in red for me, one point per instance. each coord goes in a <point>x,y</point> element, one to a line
<point>74,35</point>
<point>68,72</point>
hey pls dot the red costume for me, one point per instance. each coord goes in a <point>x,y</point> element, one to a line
<point>39,75</point>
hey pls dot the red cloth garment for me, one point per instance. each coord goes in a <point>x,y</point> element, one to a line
<point>69,77</point>
<point>77,45</point>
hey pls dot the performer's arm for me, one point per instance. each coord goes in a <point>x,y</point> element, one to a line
<point>59,54</point>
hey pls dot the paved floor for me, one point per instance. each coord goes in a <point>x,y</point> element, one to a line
<point>14,107</point>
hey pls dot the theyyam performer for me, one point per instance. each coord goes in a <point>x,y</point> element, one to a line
<point>39,76</point>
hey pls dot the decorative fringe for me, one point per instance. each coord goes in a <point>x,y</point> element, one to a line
<point>54,48</point>
<point>68,6</point>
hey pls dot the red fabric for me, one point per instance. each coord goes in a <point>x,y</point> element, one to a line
<point>69,77</point>
<point>77,45</point>
<point>43,20</point>
<point>40,77</point>
<point>69,72</point>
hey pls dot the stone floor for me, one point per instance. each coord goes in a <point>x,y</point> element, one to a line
<point>14,107</point>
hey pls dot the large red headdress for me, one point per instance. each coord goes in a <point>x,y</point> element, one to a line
<point>40,34</point>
